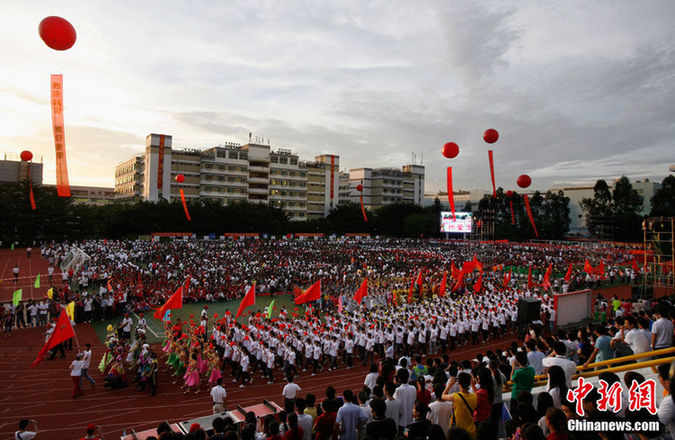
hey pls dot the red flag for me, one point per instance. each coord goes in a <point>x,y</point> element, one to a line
<point>110,288</point>
<point>477,264</point>
<point>62,332</point>
<point>634,265</point>
<point>249,300</point>
<point>441,291</point>
<point>478,286</point>
<point>174,302</point>
<point>362,292</point>
<point>530,284</point>
<point>507,279</point>
<point>420,279</point>
<point>454,272</point>
<point>587,267</point>
<point>568,275</point>
<point>600,270</point>
<point>410,291</point>
<point>309,295</point>
<point>547,277</point>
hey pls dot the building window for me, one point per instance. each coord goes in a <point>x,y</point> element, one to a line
<point>283,160</point>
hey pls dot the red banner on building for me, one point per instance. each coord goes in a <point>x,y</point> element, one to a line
<point>62,185</point>
<point>160,164</point>
<point>332,175</point>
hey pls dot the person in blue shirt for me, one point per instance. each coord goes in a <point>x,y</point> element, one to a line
<point>602,351</point>
<point>350,418</point>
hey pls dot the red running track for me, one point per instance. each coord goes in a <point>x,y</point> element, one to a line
<point>43,393</point>
<point>29,268</point>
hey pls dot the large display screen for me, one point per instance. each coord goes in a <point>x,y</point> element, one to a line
<point>462,222</point>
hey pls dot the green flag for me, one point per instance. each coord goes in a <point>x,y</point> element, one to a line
<point>12,246</point>
<point>269,309</point>
<point>16,298</point>
<point>37,282</point>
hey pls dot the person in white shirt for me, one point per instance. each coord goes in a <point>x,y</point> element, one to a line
<point>635,339</point>
<point>662,329</point>
<point>568,366</point>
<point>371,377</point>
<point>75,373</point>
<point>23,433</point>
<point>304,420</point>
<point>440,410</point>
<point>125,325</point>
<point>218,396</point>
<point>406,394</point>
<point>289,393</point>
<point>86,360</point>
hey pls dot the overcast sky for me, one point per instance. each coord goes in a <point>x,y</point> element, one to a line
<point>577,90</point>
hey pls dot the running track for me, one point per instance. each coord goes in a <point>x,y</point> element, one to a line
<point>29,268</point>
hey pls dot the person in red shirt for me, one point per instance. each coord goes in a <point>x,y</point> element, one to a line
<point>294,431</point>
<point>484,394</point>
<point>557,423</point>
<point>324,424</point>
<point>423,394</point>
<point>93,433</point>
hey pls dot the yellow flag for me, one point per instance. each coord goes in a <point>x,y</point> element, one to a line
<point>50,293</point>
<point>70,310</point>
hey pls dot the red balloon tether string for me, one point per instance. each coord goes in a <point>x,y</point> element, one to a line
<point>363,211</point>
<point>451,196</point>
<point>529,214</point>
<point>513,216</point>
<point>492,173</point>
<point>182,198</point>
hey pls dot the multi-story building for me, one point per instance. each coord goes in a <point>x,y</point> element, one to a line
<point>230,173</point>
<point>323,185</point>
<point>15,171</point>
<point>384,186</point>
<point>460,197</point>
<point>91,195</point>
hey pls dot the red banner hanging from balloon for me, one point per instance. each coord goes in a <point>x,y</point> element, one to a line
<point>182,198</point>
<point>492,173</point>
<point>451,195</point>
<point>31,196</point>
<point>363,211</point>
<point>529,214</point>
<point>513,216</point>
<point>62,185</point>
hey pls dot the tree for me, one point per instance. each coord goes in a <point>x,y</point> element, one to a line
<point>663,201</point>
<point>599,211</point>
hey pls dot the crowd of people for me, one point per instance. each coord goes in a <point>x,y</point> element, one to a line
<point>387,331</point>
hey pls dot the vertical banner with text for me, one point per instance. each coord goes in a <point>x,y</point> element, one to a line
<point>62,185</point>
<point>332,176</point>
<point>160,162</point>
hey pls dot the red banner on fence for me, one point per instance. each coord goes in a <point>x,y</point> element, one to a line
<point>62,185</point>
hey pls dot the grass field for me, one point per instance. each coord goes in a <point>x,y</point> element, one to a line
<point>155,333</point>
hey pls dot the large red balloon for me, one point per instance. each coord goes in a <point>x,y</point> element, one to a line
<point>359,187</point>
<point>450,150</point>
<point>26,155</point>
<point>509,193</point>
<point>180,178</point>
<point>57,33</point>
<point>524,181</point>
<point>491,135</point>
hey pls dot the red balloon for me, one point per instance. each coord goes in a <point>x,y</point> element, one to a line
<point>180,178</point>
<point>57,33</point>
<point>509,193</point>
<point>359,187</point>
<point>524,181</point>
<point>491,135</point>
<point>450,150</point>
<point>26,155</point>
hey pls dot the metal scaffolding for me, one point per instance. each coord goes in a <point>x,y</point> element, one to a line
<point>659,253</point>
